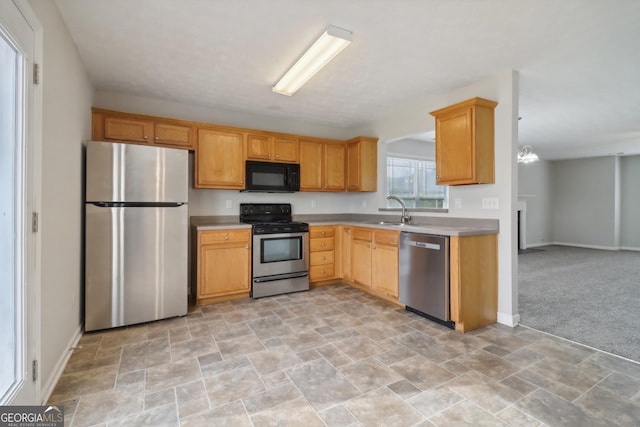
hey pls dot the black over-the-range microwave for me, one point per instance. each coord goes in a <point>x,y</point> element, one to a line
<point>272,177</point>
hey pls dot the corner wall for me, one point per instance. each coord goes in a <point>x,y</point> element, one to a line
<point>535,189</point>
<point>66,123</point>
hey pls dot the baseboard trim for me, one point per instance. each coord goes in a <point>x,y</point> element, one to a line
<point>629,248</point>
<point>578,245</point>
<point>509,319</point>
<point>60,365</point>
<point>538,245</point>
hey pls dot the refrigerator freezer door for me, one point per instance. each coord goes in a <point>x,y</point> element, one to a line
<point>135,173</point>
<point>136,265</point>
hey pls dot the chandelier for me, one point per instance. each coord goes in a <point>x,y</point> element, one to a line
<point>526,155</point>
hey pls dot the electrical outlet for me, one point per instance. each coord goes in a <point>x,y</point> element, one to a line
<point>313,204</point>
<point>490,203</point>
<point>457,203</point>
<point>228,204</point>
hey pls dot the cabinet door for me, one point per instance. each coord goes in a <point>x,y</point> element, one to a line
<point>361,261</point>
<point>223,269</point>
<point>346,253</point>
<point>353,167</point>
<point>285,149</point>
<point>455,148</point>
<point>385,269</point>
<point>219,159</point>
<point>173,135</point>
<point>334,165</point>
<point>118,129</point>
<point>310,166</point>
<point>259,147</point>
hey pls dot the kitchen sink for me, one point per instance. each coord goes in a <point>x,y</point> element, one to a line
<point>389,223</point>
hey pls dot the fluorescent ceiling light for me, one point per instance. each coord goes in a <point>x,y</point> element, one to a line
<point>330,44</point>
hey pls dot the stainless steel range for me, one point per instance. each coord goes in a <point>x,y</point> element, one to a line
<point>280,249</point>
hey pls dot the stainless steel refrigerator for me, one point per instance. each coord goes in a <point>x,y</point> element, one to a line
<point>136,231</point>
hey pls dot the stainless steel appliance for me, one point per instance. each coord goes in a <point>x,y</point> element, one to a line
<point>136,225</point>
<point>424,275</point>
<point>280,249</point>
<point>272,177</point>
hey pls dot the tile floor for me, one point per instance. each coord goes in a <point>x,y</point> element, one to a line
<point>335,356</point>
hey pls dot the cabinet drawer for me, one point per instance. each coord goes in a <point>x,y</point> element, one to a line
<point>321,272</point>
<point>315,232</point>
<point>218,236</point>
<point>361,234</point>
<point>387,237</point>
<point>321,258</point>
<point>322,244</point>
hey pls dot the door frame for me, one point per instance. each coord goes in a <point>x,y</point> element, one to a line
<point>28,391</point>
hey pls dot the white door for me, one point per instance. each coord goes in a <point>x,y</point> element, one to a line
<point>19,199</point>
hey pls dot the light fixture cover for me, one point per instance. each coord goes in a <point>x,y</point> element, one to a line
<point>330,44</point>
<point>526,155</point>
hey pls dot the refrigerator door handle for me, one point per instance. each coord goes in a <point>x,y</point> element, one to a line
<point>137,204</point>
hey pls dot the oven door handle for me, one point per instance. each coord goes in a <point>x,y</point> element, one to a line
<point>280,277</point>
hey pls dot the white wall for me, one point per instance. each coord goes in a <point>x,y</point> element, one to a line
<point>535,189</point>
<point>67,97</point>
<point>584,202</point>
<point>630,202</point>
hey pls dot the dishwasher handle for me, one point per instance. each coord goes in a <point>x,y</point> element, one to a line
<point>425,245</point>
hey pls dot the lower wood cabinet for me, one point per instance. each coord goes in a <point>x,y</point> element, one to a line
<point>223,269</point>
<point>322,249</point>
<point>473,281</point>
<point>374,260</point>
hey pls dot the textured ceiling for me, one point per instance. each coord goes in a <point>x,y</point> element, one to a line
<point>579,60</point>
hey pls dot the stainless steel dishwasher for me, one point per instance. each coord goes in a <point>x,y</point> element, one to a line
<point>424,275</point>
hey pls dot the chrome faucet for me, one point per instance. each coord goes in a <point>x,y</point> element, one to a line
<point>405,218</point>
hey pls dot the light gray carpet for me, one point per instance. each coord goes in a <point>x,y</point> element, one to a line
<point>585,295</point>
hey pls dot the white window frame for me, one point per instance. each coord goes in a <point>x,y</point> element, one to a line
<point>393,205</point>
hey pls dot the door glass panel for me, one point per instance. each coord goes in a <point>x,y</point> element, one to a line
<point>281,249</point>
<point>8,205</point>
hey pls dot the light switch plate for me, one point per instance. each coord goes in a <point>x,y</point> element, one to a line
<point>228,204</point>
<point>490,203</point>
<point>457,203</point>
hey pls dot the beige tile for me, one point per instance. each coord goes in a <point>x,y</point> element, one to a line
<point>321,384</point>
<point>178,334</point>
<point>561,390</point>
<point>275,379</point>
<point>488,364</point>
<point>292,414</point>
<point>516,418</point>
<point>120,337</point>
<point>240,346</point>
<point>382,407</point>
<point>434,400</point>
<point>429,347</point>
<point>172,374</point>
<point>358,347</point>
<point>159,398</point>
<point>561,350</point>
<point>621,384</point>
<point>404,389</point>
<point>233,385</point>
<point>109,405</point>
<point>604,404</point>
<point>130,378</point>
<point>193,348</point>
<point>269,327</point>
<point>274,360</point>
<point>232,414</point>
<point>270,398</point>
<point>487,394</point>
<point>165,416</point>
<point>338,416</point>
<point>79,383</point>
<point>333,355</point>
<point>224,366</point>
<point>466,413</point>
<point>145,354</point>
<point>368,374</point>
<point>191,398</point>
<point>553,410</point>
<point>304,340</point>
<point>579,378</point>
<point>422,372</point>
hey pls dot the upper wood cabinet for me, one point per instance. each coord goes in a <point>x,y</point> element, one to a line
<point>362,164</point>
<point>116,126</point>
<point>219,160</point>
<point>272,148</point>
<point>465,143</point>
<point>322,165</point>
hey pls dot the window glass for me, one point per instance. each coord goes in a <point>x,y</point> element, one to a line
<point>414,181</point>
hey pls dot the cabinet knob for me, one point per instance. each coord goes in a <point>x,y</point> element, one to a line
<point>277,155</point>
<point>324,258</point>
<point>241,182</point>
<point>145,137</point>
<point>156,138</point>
<point>246,247</point>
<point>322,233</point>
<point>226,237</point>
<point>322,244</point>
<point>323,272</point>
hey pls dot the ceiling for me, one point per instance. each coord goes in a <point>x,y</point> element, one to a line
<point>579,60</point>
